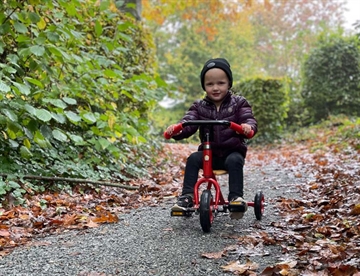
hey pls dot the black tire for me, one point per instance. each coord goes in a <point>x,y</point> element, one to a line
<point>206,215</point>
<point>259,202</point>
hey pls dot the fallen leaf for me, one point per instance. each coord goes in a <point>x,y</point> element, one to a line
<point>91,224</point>
<point>235,266</point>
<point>213,255</point>
<point>355,210</point>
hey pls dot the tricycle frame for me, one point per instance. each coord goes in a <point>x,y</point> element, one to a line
<point>209,179</point>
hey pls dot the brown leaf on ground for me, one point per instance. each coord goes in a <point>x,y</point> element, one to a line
<point>241,269</point>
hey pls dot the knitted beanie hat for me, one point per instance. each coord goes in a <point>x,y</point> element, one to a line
<point>220,63</point>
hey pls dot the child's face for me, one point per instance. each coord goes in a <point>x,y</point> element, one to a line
<point>216,84</point>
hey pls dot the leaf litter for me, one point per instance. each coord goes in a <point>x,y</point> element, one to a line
<point>319,233</point>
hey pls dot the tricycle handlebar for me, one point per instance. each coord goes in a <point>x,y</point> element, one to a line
<point>238,128</point>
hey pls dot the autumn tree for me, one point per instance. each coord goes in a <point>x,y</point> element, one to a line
<point>287,31</point>
<point>187,33</point>
<point>259,38</point>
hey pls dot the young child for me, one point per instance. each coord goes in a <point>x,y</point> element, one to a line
<point>229,148</point>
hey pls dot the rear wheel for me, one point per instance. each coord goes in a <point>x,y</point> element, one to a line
<point>259,203</point>
<point>206,214</point>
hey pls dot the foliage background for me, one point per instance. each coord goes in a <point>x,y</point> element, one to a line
<point>261,39</point>
<point>81,82</point>
<point>77,82</point>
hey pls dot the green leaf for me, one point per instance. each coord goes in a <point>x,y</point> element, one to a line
<point>53,37</point>
<point>9,69</point>
<point>37,50</point>
<point>70,101</point>
<point>70,8</point>
<point>34,81</point>
<point>104,143</point>
<point>104,5</point>
<point>34,17</point>
<point>58,135</point>
<point>46,131</point>
<point>76,138</point>
<point>11,133</point>
<point>43,115</point>
<point>60,118</point>
<point>27,143</point>
<point>4,87</point>
<point>72,116</point>
<point>23,38</point>
<point>110,73</point>
<point>19,27</point>
<point>56,102</point>
<point>3,187</point>
<point>30,109</point>
<point>10,114</point>
<point>23,89</point>
<point>13,184</point>
<point>40,140</point>
<point>13,143</point>
<point>25,153</point>
<point>89,117</point>
<point>98,28</point>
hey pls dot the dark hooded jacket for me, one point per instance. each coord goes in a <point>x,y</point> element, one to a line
<point>225,140</point>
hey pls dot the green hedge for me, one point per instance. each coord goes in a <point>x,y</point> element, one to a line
<point>270,101</point>
<point>76,82</point>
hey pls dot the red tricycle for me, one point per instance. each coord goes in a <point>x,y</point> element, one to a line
<point>208,206</point>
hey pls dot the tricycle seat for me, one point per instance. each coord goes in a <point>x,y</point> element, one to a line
<point>219,172</point>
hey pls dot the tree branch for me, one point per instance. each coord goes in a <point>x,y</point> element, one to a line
<point>75,180</point>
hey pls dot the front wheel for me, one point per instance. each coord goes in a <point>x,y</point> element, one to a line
<point>206,214</point>
<point>259,203</point>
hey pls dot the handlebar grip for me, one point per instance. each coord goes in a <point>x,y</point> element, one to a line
<point>238,128</point>
<point>177,129</point>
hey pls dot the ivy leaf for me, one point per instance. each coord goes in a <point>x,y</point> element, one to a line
<point>43,115</point>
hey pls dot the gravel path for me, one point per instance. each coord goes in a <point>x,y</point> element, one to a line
<point>148,241</point>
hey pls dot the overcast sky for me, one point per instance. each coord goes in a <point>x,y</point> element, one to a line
<point>353,13</point>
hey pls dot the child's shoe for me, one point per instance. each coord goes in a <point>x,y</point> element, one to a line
<point>184,202</point>
<point>238,206</point>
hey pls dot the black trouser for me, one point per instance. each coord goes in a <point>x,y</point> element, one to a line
<point>233,163</point>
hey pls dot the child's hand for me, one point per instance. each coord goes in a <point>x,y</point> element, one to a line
<point>170,130</point>
<point>246,129</point>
